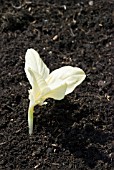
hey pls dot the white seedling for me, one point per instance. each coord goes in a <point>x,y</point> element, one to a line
<point>56,84</point>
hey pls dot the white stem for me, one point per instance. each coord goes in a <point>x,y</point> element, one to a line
<point>30,119</point>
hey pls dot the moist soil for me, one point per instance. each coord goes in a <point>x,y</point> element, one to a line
<point>77,132</point>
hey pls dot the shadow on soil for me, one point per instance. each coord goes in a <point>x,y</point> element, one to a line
<point>72,130</point>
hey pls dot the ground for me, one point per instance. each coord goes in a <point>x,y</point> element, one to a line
<point>76,132</point>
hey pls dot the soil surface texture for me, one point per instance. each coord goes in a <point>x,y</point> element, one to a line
<point>76,133</point>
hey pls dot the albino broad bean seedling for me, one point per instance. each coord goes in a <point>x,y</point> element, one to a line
<point>56,84</point>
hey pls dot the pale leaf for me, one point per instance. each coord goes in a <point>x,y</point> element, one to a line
<point>35,63</point>
<point>57,92</point>
<point>72,76</point>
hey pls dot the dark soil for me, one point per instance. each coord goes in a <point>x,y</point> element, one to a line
<point>76,133</point>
